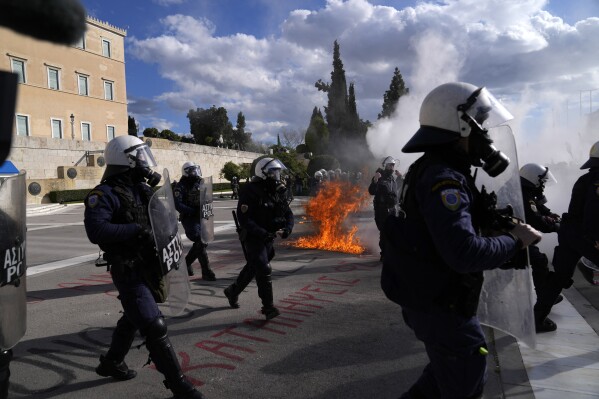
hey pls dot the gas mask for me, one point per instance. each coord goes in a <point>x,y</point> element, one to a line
<point>151,177</point>
<point>274,182</point>
<point>480,112</point>
<point>483,153</point>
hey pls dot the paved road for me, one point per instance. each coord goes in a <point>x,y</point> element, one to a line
<point>338,337</point>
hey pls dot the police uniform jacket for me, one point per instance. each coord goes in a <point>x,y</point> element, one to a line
<point>536,213</point>
<point>114,212</point>
<point>583,211</point>
<point>187,202</point>
<point>261,212</point>
<point>385,192</point>
<point>436,254</point>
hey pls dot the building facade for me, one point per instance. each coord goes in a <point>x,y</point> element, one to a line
<point>69,92</point>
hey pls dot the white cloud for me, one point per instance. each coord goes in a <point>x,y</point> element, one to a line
<point>521,52</point>
<point>166,3</point>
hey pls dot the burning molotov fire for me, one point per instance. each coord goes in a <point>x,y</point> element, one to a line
<point>328,210</point>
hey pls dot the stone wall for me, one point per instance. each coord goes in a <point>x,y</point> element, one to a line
<point>47,162</point>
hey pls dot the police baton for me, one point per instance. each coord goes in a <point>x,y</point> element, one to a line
<point>238,229</point>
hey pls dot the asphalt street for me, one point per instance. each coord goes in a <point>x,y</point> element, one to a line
<point>337,336</point>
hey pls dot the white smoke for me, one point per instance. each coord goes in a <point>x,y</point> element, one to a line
<point>436,62</point>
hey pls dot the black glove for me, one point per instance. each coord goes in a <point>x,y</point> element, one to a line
<point>145,236</point>
<point>285,233</point>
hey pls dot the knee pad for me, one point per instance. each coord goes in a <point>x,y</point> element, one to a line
<point>156,330</point>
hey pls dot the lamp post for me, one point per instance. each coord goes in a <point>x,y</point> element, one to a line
<point>73,126</point>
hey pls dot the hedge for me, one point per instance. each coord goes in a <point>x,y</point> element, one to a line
<point>79,195</point>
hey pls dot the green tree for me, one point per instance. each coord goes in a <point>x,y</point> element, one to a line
<point>317,135</point>
<point>131,126</point>
<point>240,137</point>
<point>151,132</point>
<point>397,89</point>
<point>337,106</point>
<point>208,125</point>
<point>169,135</point>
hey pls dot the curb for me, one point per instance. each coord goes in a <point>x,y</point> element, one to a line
<point>42,209</point>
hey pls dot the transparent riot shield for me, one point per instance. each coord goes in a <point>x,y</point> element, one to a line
<point>163,217</point>
<point>207,222</point>
<point>506,301</point>
<point>13,287</point>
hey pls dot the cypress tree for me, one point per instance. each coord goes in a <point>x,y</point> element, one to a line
<point>397,89</point>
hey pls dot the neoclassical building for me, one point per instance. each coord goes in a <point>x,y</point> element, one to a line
<point>69,92</point>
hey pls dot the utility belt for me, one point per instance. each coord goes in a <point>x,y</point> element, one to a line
<point>121,264</point>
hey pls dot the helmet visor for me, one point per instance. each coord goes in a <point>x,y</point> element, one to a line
<point>193,171</point>
<point>547,178</point>
<point>273,169</point>
<point>486,110</point>
<point>142,155</point>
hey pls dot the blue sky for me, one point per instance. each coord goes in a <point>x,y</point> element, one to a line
<point>262,57</point>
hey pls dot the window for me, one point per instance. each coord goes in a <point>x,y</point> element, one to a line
<point>109,132</point>
<point>86,131</point>
<point>81,43</point>
<point>22,125</point>
<point>18,67</point>
<point>56,128</point>
<point>83,89</point>
<point>53,81</point>
<point>108,95</point>
<point>105,48</point>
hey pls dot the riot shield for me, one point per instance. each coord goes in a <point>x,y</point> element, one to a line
<point>13,290</point>
<point>207,222</point>
<point>163,217</point>
<point>506,301</point>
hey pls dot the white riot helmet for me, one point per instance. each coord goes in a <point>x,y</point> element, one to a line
<point>455,110</point>
<point>191,169</point>
<point>318,175</point>
<point>389,161</point>
<point>537,175</point>
<point>269,168</point>
<point>593,160</point>
<point>129,152</point>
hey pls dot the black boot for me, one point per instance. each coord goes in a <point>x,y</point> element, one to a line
<point>207,273</point>
<point>264,283</point>
<point>116,370</point>
<point>189,259</point>
<point>164,357</point>
<point>233,299</point>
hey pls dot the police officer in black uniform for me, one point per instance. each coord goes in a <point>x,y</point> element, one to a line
<point>533,178</point>
<point>263,213</point>
<point>235,187</point>
<point>384,186</point>
<point>435,255</point>
<point>187,195</point>
<point>117,219</point>
<point>578,235</point>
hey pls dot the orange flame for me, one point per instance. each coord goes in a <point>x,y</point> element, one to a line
<point>328,210</point>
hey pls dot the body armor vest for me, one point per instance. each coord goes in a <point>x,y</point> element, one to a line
<point>133,210</point>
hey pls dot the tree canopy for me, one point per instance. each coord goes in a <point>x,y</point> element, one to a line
<point>397,89</point>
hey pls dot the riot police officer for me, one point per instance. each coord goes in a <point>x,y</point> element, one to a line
<point>117,219</point>
<point>577,236</point>
<point>263,213</point>
<point>235,187</point>
<point>384,186</point>
<point>533,178</point>
<point>188,201</point>
<point>316,183</point>
<point>434,255</point>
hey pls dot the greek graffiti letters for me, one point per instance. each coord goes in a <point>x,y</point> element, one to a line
<point>218,349</point>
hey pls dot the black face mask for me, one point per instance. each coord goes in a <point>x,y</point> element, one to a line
<point>387,172</point>
<point>483,153</point>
